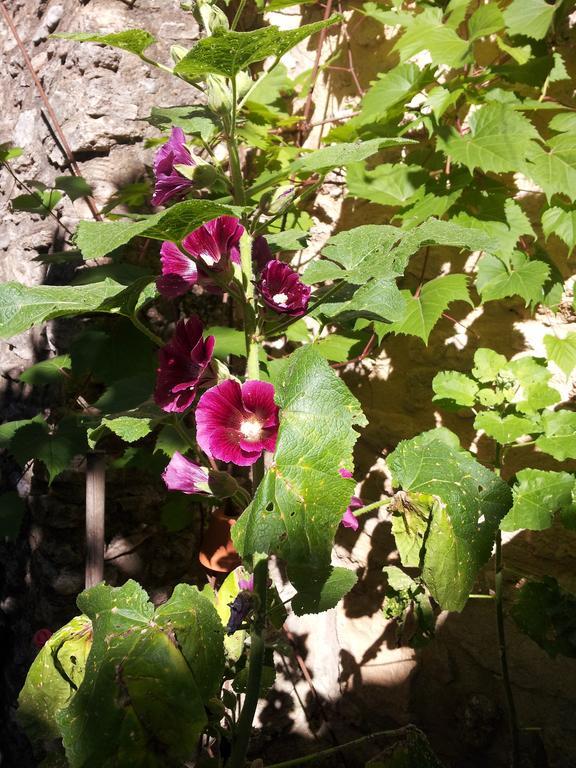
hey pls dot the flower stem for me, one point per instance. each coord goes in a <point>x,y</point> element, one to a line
<point>370,507</point>
<point>255,665</point>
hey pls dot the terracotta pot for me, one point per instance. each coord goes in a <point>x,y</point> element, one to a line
<point>217,552</point>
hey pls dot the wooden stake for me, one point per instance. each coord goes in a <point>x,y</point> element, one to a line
<point>95,506</point>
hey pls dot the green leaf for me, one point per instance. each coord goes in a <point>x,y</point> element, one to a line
<point>178,513</point>
<point>192,617</point>
<point>138,686</point>
<point>55,449</point>
<point>455,387</point>
<point>319,589</point>
<point>22,307</point>
<point>554,170</point>
<point>470,501</point>
<point>392,88</point>
<point>340,347</point>
<point>559,438</point>
<point>340,155</point>
<point>504,429</point>
<point>377,300</point>
<point>229,341</point>
<point>529,389</point>
<point>499,140</point>
<point>131,40</point>
<point>231,52</point>
<point>516,276</point>
<point>546,613</point>
<point>53,678</point>
<point>299,504</point>
<point>129,428</point>
<point>424,311</point>
<point>47,372</point>
<point>196,120</point>
<point>7,152</point>
<point>537,496</point>
<point>562,352</point>
<point>486,20</point>
<point>530,18</point>
<point>74,186</point>
<point>565,122</point>
<point>487,365</point>
<point>427,31</point>
<point>96,238</point>
<point>41,202</point>
<point>12,509</point>
<point>561,221</point>
<point>388,184</point>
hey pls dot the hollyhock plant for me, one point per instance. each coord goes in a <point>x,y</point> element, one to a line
<point>184,364</point>
<point>237,423</point>
<point>282,290</point>
<point>215,243</point>
<point>185,476</point>
<point>170,182</point>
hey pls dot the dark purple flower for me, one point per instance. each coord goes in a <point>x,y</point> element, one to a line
<point>179,272</point>
<point>261,253</point>
<point>349,519</point>
<point>169,181</point>
<point>240,608</point>
<point>183,366</point>
<point>236,422</point>
<point>215,243</point>
<point>282,290</point>
<point>184,475</point>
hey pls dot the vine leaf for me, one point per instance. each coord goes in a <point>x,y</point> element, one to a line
<point>504,429</point>
<point>554,170</point>
<point>470,500</point>
<point>231,52</point>
<point>516,276</point>
<point>98,238</point>
<point>562,223</point>
<point>142,666</point>
<point>559,438</point>
<point>499,140</point>
<point>546,613</point>
<point>562,352</point>
<point>455,388</point>
<point>424,311</point>
<point>339,155</point>
<point>427,31</point>
<point>300,502</point>
<point>537,496</point>
<point>54,448</point>
<point>531,18</point>
<point>131,40</point>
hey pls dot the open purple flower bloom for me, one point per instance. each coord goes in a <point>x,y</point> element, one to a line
<point>349,519</point>
<point>169,182</point>
<point>282,290</point>
<point>237,423</point>
<point>179,273</point>
<point>184,475</point>
<point>215,243</point>
<point>183,366</point>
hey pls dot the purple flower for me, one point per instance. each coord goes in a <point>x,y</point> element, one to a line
<point>349,519</point>
<point>184,475</point>
<point>170,182</point>
<point>179,273</point>
<point>215,243</point>
<point>237,423</point>
<point>244,579</point>
<point>282,290</point>
<point>183,366</point>
<point>346,473</point>
<point>261,253</point>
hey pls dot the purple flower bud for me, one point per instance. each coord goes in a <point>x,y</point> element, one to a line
<point>282,290</point>
<point>184,475</point>
<point>237,423</point>
<point>215,243</point>
<point>349,519</point>
<point>169,181</point>
<point>240,608</point>
<point>261,253</point>
<point>179,273</point>
<point>184,365</point>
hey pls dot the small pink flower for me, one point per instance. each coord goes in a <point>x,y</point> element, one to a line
<point>349,519</point>
<point>282,290</point>
<point>215,243</point>
<point>179,273</point>
<point>41,637</point>
<point>346,473</point>
<point>184,475</point>
<point>244,579</point>
<point>237,423</point>
<point>184,365</point>
<point>169,182</point>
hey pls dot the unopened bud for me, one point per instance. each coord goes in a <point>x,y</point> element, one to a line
<point>213,18</point>
<point>281,199</point>
<point>219,95</point>
<point>222,485</point>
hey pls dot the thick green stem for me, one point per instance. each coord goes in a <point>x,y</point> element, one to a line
<point>232,144</point>
<point>252,346</point>
<point>255,664</point>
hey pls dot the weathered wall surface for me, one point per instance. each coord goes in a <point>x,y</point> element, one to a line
<point>364,680</point>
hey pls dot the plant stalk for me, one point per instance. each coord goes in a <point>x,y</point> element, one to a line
<point>255,665</point>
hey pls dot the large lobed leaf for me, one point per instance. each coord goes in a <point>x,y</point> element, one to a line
<point>538,495</point>
<point>469,500</point>
<point>231,52</point>
<point>147,678</point>
<point>299,504</point>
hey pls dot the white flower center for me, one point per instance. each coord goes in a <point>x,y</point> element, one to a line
<point>207,258</point>
<point>280,298</point>
<point>250,429</point>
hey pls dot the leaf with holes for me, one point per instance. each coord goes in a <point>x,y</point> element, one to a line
<point>470,501</point>
<point>424,311</point>
<point>300,502</point>
<point>537,496</point>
